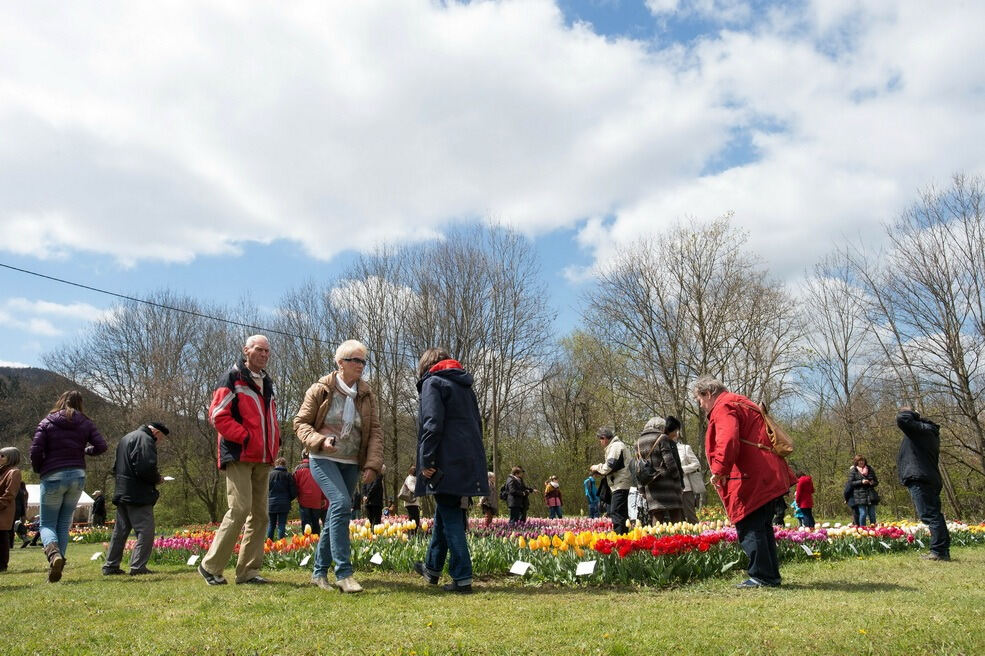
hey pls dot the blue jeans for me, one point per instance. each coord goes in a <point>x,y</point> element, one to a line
<point>337,480</point>
<point>866,511</point>
<point>593,510</point>
<point>60,492</point>
<point>755,532</point>
<point>278,519</point>
<point>448,535</point>
<point>927,502</point>
<point>312,517</point>
<point>554,512</point>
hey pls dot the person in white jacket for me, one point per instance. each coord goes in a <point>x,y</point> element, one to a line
<point>694,483</point>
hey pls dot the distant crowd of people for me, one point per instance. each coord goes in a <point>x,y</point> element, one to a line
<point>341,472</point>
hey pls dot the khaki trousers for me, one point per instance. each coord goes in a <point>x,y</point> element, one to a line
<point>246,495</point>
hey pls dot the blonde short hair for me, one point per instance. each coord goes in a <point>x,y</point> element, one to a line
<point>349,348</point>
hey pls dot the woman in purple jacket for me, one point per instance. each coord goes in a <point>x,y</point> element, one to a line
<point>58,451</point>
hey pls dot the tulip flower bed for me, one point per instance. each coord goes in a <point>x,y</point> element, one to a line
<point>652,555</point>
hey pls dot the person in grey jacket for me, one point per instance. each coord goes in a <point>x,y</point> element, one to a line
<point>137,478</point>
<point>917,467</point>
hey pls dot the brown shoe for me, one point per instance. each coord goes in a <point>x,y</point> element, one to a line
<point>56,562</point>
<point>348,585</point>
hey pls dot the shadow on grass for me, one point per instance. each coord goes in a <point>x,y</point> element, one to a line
<point>850,586</point>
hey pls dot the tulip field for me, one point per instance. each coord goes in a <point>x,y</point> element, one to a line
<point>662,555</point>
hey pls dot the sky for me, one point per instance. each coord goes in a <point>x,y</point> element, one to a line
<point>190,145</point>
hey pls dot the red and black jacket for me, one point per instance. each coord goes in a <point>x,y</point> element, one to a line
<point>246,418</point>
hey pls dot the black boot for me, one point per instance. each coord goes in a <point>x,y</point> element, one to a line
<point>56,562</point>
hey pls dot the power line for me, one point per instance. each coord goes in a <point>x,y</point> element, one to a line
<point>193,313</point>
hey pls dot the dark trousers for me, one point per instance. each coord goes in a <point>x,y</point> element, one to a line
<point>276,520</point>
<point>517,514</point>
<point>414,513</point>
<point>313,517</point>
<point>374,514</point>
<point>619,510</point>
<point>140,519</point>
<point>687,505</point>
<point>808,520</point>
<point>5,539</point>
<point>668,516</point>
<point>755,532</point>
<point>927,502</point>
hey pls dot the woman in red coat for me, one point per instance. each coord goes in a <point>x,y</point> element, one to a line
<point>749,477</point>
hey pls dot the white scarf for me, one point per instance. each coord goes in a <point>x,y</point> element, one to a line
<point>349,411</point>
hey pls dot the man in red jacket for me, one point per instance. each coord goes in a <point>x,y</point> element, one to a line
<point>749,477</point>
<point>245,416</point>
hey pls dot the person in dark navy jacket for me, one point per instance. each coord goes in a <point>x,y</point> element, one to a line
<point>451,460</point>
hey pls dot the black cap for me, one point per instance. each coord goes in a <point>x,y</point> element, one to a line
<point>159,426</point>
<point>672,424</point>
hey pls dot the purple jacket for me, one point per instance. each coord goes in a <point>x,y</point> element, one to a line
<point>62,443</point>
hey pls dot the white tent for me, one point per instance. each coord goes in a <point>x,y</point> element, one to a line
<point>82,510</point>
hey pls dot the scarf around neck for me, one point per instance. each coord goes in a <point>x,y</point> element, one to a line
<point>349,410</point>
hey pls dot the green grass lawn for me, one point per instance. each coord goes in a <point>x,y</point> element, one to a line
<point>892,604</point>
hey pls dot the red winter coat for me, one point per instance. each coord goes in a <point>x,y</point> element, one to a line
<point>805,492</point>
<point>309,494</point>
<point>245,417</point>
<point>749,477</point>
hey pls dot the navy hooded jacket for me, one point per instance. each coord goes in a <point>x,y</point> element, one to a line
<point>449,434</point>
<point>919,451</point>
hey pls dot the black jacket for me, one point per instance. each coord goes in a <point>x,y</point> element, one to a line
<point>281,490</point>
<point>919,451</point>
<point>449,434</point>
<point>518,494</point>
<point>136,469</point>
<point>374,492</point>
<point>862,494</point>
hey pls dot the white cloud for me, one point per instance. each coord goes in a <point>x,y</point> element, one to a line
<point>45,318</point>
<point>15,365</point>
<point>172,131</point>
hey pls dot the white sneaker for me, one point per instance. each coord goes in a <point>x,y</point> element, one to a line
<point>348,584</point>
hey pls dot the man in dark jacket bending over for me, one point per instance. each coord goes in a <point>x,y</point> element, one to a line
<point>136,493</point>
<point>917,467</point>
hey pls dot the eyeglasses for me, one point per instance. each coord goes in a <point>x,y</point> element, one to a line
<point>356,360</point>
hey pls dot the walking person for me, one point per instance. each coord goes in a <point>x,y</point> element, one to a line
<point>616,472</point>
<point>339,425</point>
<point>917,466</point>
<point>312,504</point>
<point>373,498</point>
<point>591,496</point>
<point>411,502</point>
<point>553,499</point>
<point>451,460</point>
<point>137,477</point>
<point>490,502</point>
<point>10,487</point>
<point>804,498</point>
<point>61,442</point>
<point>281,491</point>
<point>694,482</point>
<point>517,496</point>
<point>244,413</point>
<point>98,509</point>
<point>863,480</point>
<point>749,477</point>
<point>664,494</point>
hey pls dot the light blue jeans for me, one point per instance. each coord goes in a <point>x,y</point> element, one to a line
<point>60,492</point>
<point>337,481</point>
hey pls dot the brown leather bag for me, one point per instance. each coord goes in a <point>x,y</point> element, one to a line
<point>780,442</point>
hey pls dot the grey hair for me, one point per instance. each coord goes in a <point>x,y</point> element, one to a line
<point>655,425</point>
<point>253,339</point>
<point>349,348</point>
<point>708,384</point>
<point>13,455</point>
